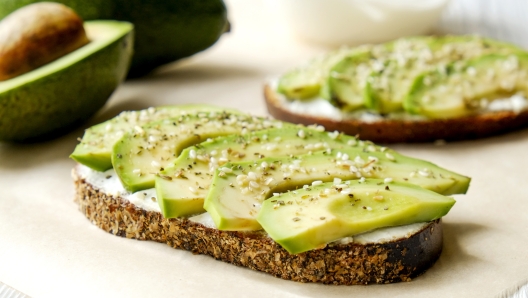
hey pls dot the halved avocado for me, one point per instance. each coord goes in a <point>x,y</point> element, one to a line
<point>51,99</point>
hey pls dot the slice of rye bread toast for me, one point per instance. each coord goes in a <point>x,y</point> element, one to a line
<point>339,264</point>
<point>405,131</point>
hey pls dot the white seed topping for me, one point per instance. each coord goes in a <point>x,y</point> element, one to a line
<point>193,190</point>
<point>268,181</point>
<point>333,135</point>
<point>138,129</point>
<point>352,142</point>
<point>155,164</point>
<point>337,180</point>
<point>359,161</point>
<point>136,171</point>
<point>252,176</point>
<point>387,180</point>
<point>254,185</point>
<point>389,156</point>
<point>378,198</point>
<point>317,182</point>
<point>271,147</point>
<point>301,134</point>
<point>362,179</point>
<point>226,170</point>
<point>424,173</point>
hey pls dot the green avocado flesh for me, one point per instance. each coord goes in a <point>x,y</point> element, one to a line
<point>305,82</point>
<point>387,88</point>
<point>236,195</point>
<point>310,218</point>
<point>477,83</point>
<point>233,166</point>
<point>95,147</point>
<point>145,151</point>
<point>68,90</point>
<point>380,78</point>
<point>182,187</point>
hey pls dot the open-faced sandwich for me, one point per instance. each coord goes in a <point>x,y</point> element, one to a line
<point>297,202</point>
<point>409,90</point>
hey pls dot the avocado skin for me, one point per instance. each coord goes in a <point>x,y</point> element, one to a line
<point>165,31</point>
<point>51,105</point>
<point>88,10</point>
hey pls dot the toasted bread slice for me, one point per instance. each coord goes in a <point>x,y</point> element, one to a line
<point>396,260</point>
<point>403,130</point>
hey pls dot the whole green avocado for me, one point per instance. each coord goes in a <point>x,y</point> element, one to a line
<point>165,30</point>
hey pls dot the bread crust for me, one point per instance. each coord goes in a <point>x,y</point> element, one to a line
<point>343,264</point>
<point>406,131</point>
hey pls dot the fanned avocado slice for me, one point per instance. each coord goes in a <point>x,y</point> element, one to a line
<point>142,153</point>
<point>386,89</point>
<point>305,82</point>
<point>68,90</point>
<point>347,79</point>
<point>95,147</point>
<point>236,195</point>
<point>310,218</point>
<point>464,89</point>
<point>182,188</point>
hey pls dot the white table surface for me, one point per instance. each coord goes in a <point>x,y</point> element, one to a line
<point>49,249</point>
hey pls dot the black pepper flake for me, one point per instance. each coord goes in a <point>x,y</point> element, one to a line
<point>387,187</point>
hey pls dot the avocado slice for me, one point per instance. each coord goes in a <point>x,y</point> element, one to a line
<point>182,187</point>
<point>306,81</point>
<point>310,218</point>
<point>142,153</point>
<point>464,89</point>
<point>236,195</point>
<point>37,104</point>
<point>95,147</point>
<point>386,89</point>
<point>347,79</point>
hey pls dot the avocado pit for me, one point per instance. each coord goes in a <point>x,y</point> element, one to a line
<point>36,35</point>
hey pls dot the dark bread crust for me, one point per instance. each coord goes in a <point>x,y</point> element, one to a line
<point>344,264</point>
<point>404,131</point>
